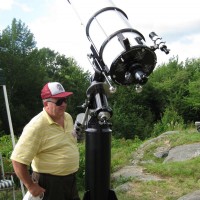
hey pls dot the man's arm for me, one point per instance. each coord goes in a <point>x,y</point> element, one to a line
<point>22,173</point>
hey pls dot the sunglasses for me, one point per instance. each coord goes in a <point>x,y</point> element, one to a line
<point>59,102</point>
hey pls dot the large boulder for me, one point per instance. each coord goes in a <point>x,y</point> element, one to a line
<point>183,152</point>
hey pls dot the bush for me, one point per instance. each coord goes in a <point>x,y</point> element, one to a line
<point>169,122</point>
<point>6,150</point>
<point>81,172</point>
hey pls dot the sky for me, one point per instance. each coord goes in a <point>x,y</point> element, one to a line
<point>56,26</point>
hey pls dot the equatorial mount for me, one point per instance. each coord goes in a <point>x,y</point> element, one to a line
<point>120,55</point>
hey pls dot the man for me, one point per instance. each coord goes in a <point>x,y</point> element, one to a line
<point>48,143</point>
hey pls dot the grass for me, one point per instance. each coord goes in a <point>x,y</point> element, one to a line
<point>178,178</point>
<point>9,196</point>
<point>122,151</point>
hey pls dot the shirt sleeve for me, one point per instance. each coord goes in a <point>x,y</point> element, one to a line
<point>27,146</point>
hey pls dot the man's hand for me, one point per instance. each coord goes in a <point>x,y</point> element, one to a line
<point>22,172</point>
<point>35,189</point>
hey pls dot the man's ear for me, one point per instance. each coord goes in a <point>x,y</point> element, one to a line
<point>45,103</point>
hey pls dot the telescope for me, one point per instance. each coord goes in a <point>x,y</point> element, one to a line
<point>117,49</point>
<point>119,55</point>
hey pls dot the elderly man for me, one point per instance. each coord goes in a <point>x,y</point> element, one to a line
<point>48,143</point>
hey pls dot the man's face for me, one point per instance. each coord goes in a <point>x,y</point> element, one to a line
<point>56,106</point>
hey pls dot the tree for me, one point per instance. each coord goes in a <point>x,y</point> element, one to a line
<point>17,39</point>
<point>17,43</point>
<point>132,116</point>
<point>192,100</point>
<point>27,69</point>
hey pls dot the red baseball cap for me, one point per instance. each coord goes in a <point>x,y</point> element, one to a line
<point>54,90</point>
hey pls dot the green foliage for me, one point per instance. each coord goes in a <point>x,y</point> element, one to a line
<point>173,86</point>
<point>178,177</point>
<point>27,69</point>
<point>6,150</point>
<point>6,145</point>
<point>22,72</point>
<point>81,171</point>
<point>169,122</point>
<point>179,169</point>
<point>187,136</point>
<point>183,169</point>
<point>178,85</point>
<point>132,116</point>
<point>17,39</point>
<point>121,152</point>
<point>121,180</point>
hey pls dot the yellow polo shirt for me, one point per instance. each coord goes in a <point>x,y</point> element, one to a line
<point>49,147</point>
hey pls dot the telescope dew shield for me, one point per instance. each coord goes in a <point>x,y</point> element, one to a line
<point>121,48</point>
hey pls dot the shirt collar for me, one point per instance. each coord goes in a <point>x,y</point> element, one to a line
<point>49,119</point>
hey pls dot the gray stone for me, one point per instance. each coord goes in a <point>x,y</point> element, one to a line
<point>183,152</point>
<point>161,152</point>
<point>124,187</point>
<point>191,196</point>
<point>135,172</point>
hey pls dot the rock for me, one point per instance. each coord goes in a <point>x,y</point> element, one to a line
<point>124,187</point>
<point>135,172</point>
<point>161,152</point>
<point>183,152</point>
<point>191,196</point>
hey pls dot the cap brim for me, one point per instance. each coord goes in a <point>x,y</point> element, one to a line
<point>61,95</point>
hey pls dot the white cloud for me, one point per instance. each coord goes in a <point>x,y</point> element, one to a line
<point>6,5</point>
<point>23,7</point>
<point>9,4</point>
<point>61,31</point>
